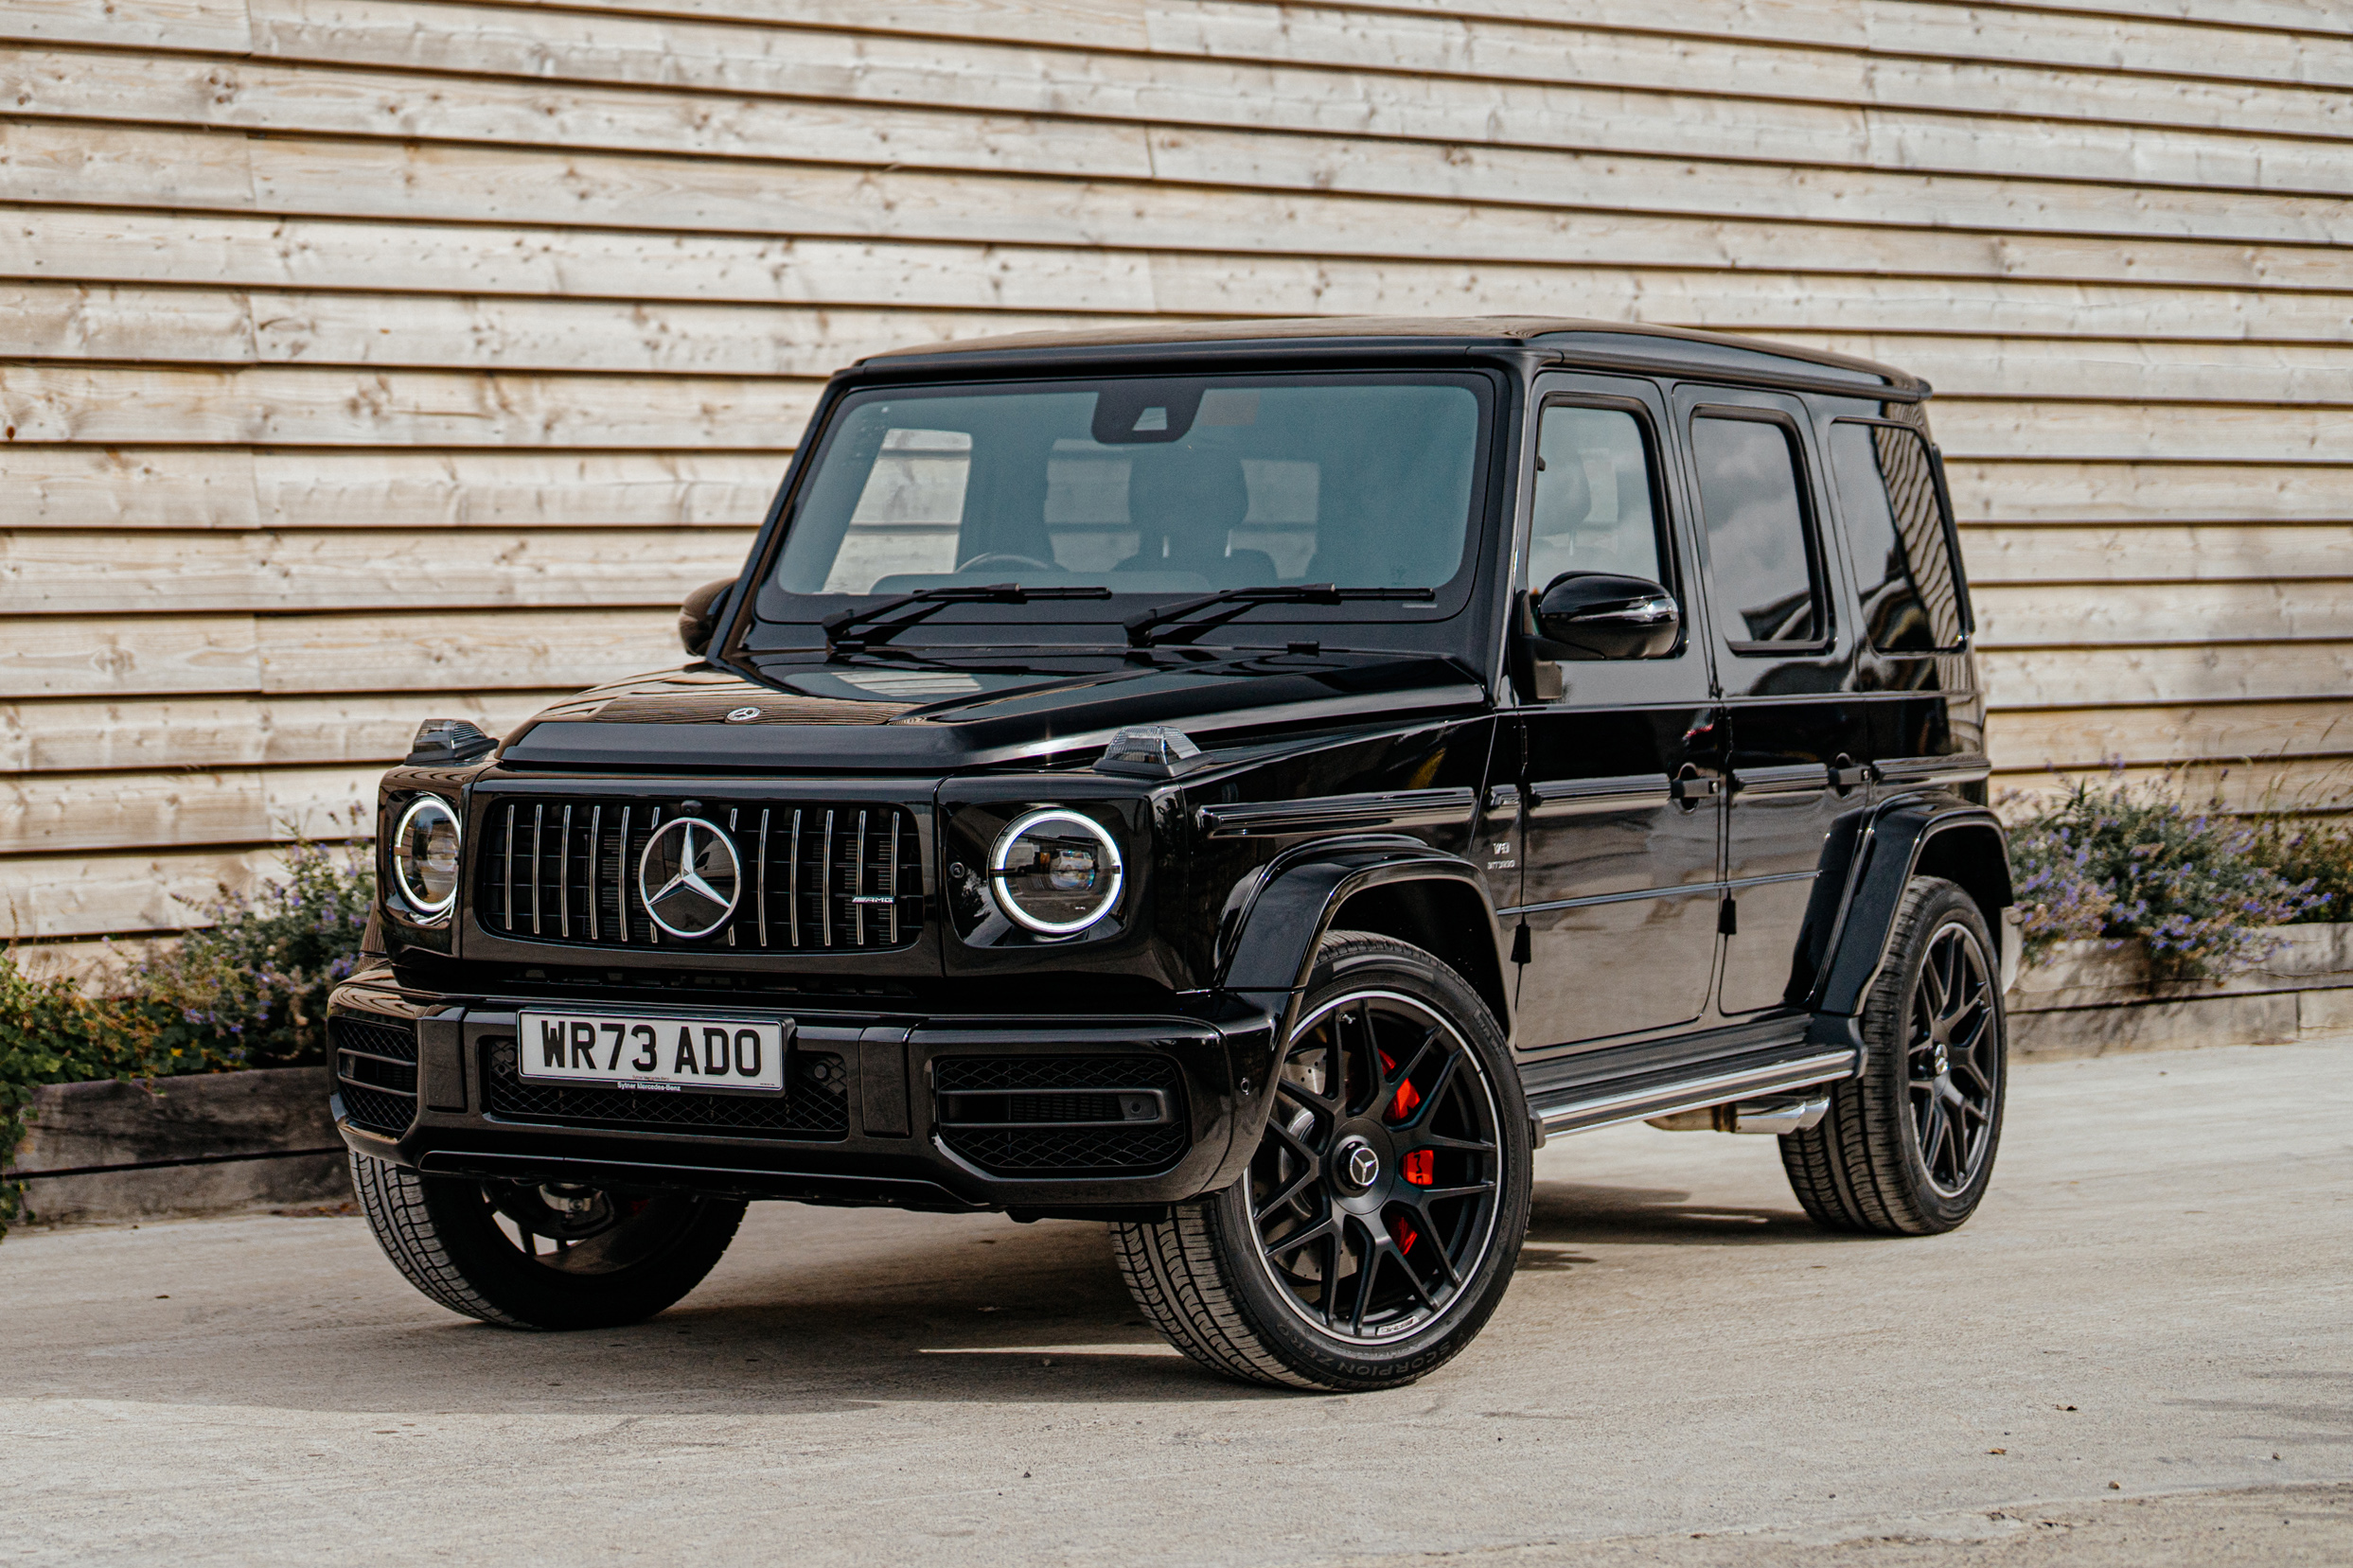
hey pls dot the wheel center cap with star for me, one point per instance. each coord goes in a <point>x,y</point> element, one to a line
<point>689,877</point>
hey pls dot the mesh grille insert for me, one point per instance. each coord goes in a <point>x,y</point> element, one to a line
<point>816,1106</point>
<point>375,1071</point>
<point>1058,1083</point>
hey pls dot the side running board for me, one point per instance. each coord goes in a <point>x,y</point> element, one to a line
<point>1607,1110</point>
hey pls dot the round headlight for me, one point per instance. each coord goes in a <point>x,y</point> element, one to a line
<point>424,855</point>
<point>1055,872</point>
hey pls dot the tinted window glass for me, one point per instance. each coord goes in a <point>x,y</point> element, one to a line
<point>1143,486</point>
<point>1902,557</point>
<point>1592,510</point>
<point>1759,558</point>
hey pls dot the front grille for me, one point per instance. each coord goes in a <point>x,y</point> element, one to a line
<point>815,1106</point>
<point>1048,1088</point>
<point>375,1071</point>
<point>818,876</point>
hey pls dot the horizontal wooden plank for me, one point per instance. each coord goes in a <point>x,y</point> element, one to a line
<point>2066,615</point>
<point>2151,553</point>
<point>59,813</point>
<point>291,406</point>
<point>153,655</point>
<point>217,25</point>
<point>100,965</point>
<point>304,177</point>
<point>2127,432</point>
<point>1096,24</point>
<point>2301,784</point>
<point>60,572</point>
<point>62,321</point>
<point>2059,739</point>
<point>1203,55</point>
<point>51,896</point>
<point>1923,68</point>
<point>73,736</point>
<point>184,487</point>
<point>2015,491</point>
<point>2104,369</point>
<point>317,100</point>
<point>1686,97</point>
<point>749,135</point>
<point>2080,678</point>
<point>1610,266</point>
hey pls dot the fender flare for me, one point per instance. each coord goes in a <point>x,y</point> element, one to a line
<point>1275,919</point>
<point>1886,850</point>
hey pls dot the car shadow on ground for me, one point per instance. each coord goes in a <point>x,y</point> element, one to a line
<point>812,1313</point>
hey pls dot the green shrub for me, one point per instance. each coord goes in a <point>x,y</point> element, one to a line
<point>248,991</point>
<point>51,1032</point>
<point>2125,862</point>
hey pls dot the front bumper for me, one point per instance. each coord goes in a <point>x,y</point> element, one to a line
<point>864,1123</point>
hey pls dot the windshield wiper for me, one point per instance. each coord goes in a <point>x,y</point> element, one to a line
<point>927,602</point>
<point>1145,630</point>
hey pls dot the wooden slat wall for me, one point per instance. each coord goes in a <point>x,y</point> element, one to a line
<point>363,360</point>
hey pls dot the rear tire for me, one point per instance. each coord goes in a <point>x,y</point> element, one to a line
<point>1379,1223</point>
<point>477,1247</point>
<point>1907,1148</point>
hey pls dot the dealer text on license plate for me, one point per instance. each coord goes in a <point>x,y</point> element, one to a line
<point>653,1053</point>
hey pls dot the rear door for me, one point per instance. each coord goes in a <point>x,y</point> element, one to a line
<point>1621,757</point>
<point>1784,656</point>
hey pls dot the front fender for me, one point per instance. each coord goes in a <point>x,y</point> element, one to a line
<point>1274,920</point>
<point>1938,835</point>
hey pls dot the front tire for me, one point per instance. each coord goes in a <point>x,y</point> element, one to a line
<point>1381,1219</point>
<point>1907,1148</point>
<point>526,1256</point>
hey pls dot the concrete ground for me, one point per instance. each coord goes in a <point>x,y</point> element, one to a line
<point>2137,1354</point>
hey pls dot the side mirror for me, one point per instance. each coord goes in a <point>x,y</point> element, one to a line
<point>698,617</point>
<point>1602,616</point>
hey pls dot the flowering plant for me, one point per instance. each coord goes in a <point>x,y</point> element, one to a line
<point>2123,862</point>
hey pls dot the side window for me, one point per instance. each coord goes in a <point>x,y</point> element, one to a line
<point>1592,510</point>
<point>1762,561</point>
<point>1903,553</point>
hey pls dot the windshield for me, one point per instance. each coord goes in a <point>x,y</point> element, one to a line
<point>1154,488</point>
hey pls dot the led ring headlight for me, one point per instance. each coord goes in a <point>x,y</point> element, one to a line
<point>424,855</point>
<point>1055,872</point>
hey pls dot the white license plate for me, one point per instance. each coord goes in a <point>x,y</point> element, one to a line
<point>653,1053</point>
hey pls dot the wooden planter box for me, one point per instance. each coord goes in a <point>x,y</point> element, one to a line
<point>2087,998</point>
<point>197,1145</point>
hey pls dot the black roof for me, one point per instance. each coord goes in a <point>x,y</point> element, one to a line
<point>1624,345</point>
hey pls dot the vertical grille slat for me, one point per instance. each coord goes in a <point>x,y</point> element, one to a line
<point>760,879</point>
<point>596,870</point>
<point>841,876</point>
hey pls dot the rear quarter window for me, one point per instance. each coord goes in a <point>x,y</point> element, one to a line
<point>1901,547</point>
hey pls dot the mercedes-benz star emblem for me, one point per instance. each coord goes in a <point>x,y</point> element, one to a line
<point>742,715</point>
<point>689,877</point>
<point>1360,1164</point>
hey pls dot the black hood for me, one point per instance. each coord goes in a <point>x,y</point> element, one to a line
<point>877,716</point>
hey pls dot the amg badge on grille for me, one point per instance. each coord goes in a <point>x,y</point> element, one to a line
<point>689,877</point>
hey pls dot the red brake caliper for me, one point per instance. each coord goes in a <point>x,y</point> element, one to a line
<point>1418,1161</point>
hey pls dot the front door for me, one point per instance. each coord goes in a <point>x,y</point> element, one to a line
<point>1621,757</point>
<point>1783,661</point>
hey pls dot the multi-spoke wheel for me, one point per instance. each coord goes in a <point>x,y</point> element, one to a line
<point>532,1256</point>
<point>1908,1147</point>
<point>1377,1225</point>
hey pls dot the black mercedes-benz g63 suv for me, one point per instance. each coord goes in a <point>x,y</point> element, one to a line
<point>1248,784</point>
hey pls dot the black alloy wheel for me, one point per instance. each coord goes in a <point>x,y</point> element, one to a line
<point>555,1256</point>
<point>1375,1190</point>
<point>1381,1216</point>
<point>1950,1060</point>
<point>1907,1148</point>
